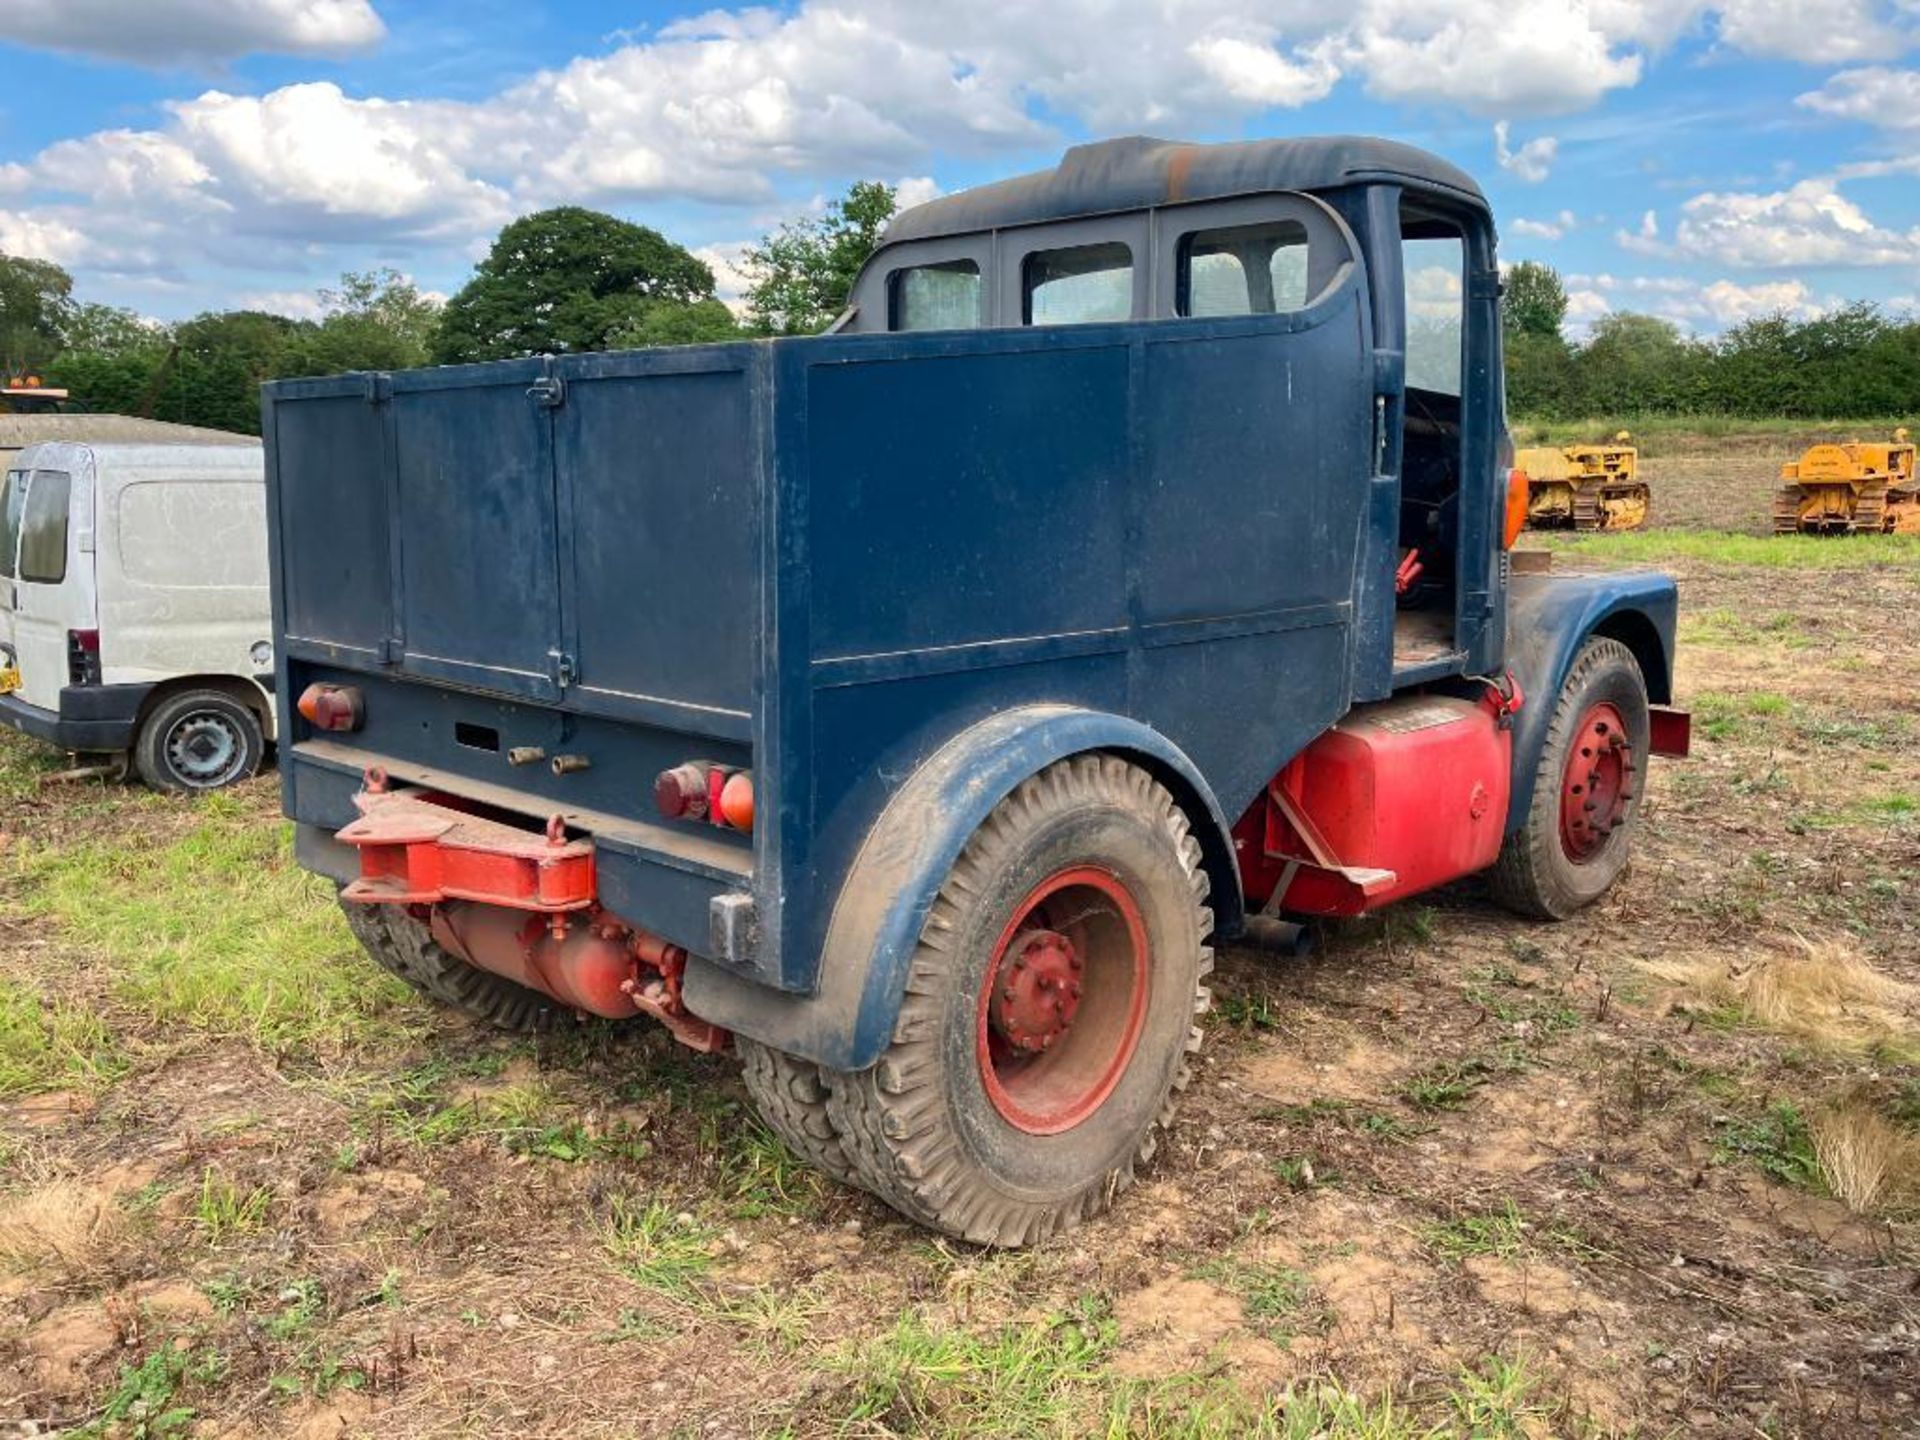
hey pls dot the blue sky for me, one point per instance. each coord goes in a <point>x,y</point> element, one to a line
<point>1705,161</point>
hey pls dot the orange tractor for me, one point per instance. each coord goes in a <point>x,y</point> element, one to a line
<point>1860,488</point>
<point>1585,487</point>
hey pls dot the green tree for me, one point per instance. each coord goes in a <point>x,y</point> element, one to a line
<point>376,320</point>
<point>1639,363</point>
<point>36,302</point>
<point>1533,301</point>
<point>672,323</point>
<point>567,280</point>
<point>95,329</point>
<point>803,272</point>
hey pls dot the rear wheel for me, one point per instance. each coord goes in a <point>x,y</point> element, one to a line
<point>1049,1013</point>
<point>1586,794</point>
<point>790,1095</point>
<point>404,945</point>
<point>198,740</point>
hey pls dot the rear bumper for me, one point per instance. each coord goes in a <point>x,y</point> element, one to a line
<point>90,717</point>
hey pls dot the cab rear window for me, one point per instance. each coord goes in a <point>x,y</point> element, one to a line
<point>12,499</point>
<point>1080,286</point>
<point>1244,270</point>
<point>946,296</point>
<point>43,528</point>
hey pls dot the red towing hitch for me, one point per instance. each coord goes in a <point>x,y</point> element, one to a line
<point>517,903</point>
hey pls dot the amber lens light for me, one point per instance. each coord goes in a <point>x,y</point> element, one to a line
<point>331,707</point>
<point>1516,507</point>
<point>736,801</point>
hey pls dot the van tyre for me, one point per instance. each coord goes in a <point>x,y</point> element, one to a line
<point>403,945</point>
<point>1579,826</point>
<point>1049,1013</point>
<point>198,740</point>
<point>790,1095</point>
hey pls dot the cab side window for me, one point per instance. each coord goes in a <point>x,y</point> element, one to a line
<point>1083,285</point>
<point>43,529</point>
<point>1435,266</point>
<point>945,296</point>
<point>1244,270</point>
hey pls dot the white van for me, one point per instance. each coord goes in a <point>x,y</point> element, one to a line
<point>134,616</point>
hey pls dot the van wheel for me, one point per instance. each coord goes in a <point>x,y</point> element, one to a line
<point>1586,793</point>
<point>790,1095</point>
<point>403,945</point>
<point>1049,1013</point>
<point>198,740</point>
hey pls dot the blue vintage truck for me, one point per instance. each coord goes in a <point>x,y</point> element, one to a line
<point>911,707</point>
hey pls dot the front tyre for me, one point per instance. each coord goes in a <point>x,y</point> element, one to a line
<point>198,740</point>
<point>1579,827</point>
<point>1048,1016</point>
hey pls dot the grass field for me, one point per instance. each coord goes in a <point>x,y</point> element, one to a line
<point>1652,1172</point>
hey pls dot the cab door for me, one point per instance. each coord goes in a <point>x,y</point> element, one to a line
<point>55,635</point>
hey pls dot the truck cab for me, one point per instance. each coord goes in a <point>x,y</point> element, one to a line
<point>911,707</point>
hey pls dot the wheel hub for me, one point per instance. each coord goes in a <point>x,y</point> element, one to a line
<point>1598,784</point>
<point>1063,1000</point>
<point>1036,991</point>
<point>202,747</point>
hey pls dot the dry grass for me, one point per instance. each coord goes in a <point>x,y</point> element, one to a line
<point>1865,1160</point>
<point>63,1224</point>
<point>1824,993</point>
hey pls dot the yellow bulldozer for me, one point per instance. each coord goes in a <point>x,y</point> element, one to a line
<point>1860,488</point>
<point>1585,487</point>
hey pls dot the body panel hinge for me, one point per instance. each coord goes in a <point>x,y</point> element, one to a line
<point>564,670</point>
<point>549,392</point>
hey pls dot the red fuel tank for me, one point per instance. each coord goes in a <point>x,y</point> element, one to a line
<point>1402,795</point>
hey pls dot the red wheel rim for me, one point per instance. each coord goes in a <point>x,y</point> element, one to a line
<point>1064,1001</point>
<point>1598,783</point>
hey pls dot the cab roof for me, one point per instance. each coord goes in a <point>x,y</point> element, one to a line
<point>1139,171</point>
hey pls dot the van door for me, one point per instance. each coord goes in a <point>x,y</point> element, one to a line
<point>13,496</point>
<point>53,586</point>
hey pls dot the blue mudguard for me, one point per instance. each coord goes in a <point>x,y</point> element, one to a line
<point>848,1020</point>
<point>1549,617</point>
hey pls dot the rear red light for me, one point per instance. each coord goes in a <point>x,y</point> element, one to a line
<point>699,790</point>
<point>681,793</point>
<point>83,657</point>
<point>332,707</point>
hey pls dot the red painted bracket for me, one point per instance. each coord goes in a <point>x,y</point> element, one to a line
<point>416,852</point>
<point>1669,731</point>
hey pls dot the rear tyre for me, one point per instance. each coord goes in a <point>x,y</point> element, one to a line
<point>1049,1013</point>
<point>1586,794</point>
<point>403,945</point>
<point>790,1095</point>
<point>198,740</point>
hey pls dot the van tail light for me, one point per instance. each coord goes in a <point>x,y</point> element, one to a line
<point>1516,507</point>
<point>332,707</point>
<point>83,657</point>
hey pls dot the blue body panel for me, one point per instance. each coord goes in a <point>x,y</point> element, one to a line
<point>891,574</point>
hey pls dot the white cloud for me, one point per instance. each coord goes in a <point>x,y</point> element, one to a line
<point>1705,305</point>
<point>1555,229</point>
<point>294,304</point>
<point>1260,75</point>
<point>730,279</point>
<point>1809,225</point>
<point>1874,95</point>
<point>1537,56</point>
<point>1532,162</point>
<point>41,237</point>
<point>912,190</point>
<point>735,106</point>
<point>1817,32</point>
<point>182,32</point>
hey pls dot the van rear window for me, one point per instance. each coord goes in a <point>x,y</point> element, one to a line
<point>43,528</point>
<point>11,502</point>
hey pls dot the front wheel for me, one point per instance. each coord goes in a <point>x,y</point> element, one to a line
<point>1579,828</point>
<point>1049,1013</point>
